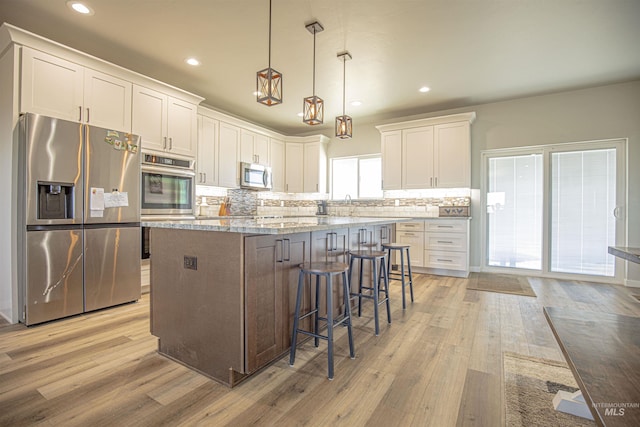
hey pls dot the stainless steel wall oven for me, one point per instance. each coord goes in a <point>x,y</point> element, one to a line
<point>167,187</point>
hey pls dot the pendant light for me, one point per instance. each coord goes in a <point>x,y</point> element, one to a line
<point>313,106</point>
<point>344,124</point>
<point>269,81</point>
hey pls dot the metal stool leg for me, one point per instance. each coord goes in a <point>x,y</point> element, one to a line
<point>410,275</point>
<point>360,278</point>
<point>404,304</point>
<point>316,325</point>
<point>384,273</point>
<point>330,324</point>
<point>296,319</point>
<point>347,313</point>
<point>375,298</point>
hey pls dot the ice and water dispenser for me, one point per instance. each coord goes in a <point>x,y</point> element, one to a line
<point>55,200</point>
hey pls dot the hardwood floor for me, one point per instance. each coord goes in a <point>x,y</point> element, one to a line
<point>438,364</point>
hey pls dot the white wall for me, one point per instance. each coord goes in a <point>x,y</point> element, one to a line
<point>604,112</point>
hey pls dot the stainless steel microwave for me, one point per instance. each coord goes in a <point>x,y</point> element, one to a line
<point>254,176</point>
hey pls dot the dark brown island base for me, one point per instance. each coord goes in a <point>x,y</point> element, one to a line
<point>223,291</point>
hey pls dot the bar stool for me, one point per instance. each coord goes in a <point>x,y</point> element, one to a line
<point>327,270</point>
<point>375,257</point>
<point>402,247</point>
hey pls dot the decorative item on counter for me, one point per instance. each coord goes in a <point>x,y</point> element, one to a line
<point>205,205</point>
<point>461,211</point>
<point>224,207</point>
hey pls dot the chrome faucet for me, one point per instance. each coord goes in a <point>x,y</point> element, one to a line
<point>347,201</point>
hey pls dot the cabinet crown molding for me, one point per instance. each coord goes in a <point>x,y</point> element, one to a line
<point>430,121</point>
<point>10,34</point>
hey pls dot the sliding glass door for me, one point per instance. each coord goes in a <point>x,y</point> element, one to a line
<point>583,202</point>
<point>555,209</point>
<point>514,211</point>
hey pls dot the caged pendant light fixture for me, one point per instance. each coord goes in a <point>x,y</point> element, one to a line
<point>344,124</point>
<point>313,106</point>
<point>269,81</point>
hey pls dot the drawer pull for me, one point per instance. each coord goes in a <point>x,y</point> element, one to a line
<point>445,241</point>
<point>445,260</point>
<point>444,226</point>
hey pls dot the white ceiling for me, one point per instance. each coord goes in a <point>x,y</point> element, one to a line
<point>467,51</point>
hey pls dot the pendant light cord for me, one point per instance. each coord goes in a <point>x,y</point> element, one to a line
<point>344,82</point>
<point>269,34</point>
<point>314,61</point>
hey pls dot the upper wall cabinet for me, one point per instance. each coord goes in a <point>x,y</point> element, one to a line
<point>58,88</point>
<point>254,148</point>
<point>427,153</point>
<point>306,164</point>
<point>207,162</point>
<point>277,160</point>
<point>315,167</point>
<point>165,124</point>
<point>229,155</point>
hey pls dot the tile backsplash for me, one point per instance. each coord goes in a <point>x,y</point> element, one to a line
<point>414,203</point>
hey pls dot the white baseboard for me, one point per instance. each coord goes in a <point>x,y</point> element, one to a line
<point>632,283</point>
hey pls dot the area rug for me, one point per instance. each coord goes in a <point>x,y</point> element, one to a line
<point>530,385</point>
<point>503,283</point>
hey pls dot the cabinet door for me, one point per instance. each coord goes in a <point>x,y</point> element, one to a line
<point>315,168</point>
<point>206,163</point>
<point>107,101</point>
<point>264,300</point>
<point>228,152</point>
<point>294,166</point>
<point>246,147</point>
<point>452,153</point>
<point>51,86</point>
<point>417,157</point>
<point>271,279</point>
<point>331,245</point>
<point>149,118</point>
<point>182,127</point>
<point>392,160</point>
<point>416,240</point>
<point>278,164</point>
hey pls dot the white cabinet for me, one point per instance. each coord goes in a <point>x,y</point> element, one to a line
<point>315,167</point>
<point>59,88</point>
<point>277,157</point>
<point>427,153</point>
<point>294,167</point>
<point>411,233</point>
<point>446,246</point>
<point>392,160</point>
<point>452,155</point>
<point>417,157</point>
<point>207,161</point>
<point>228,155</point>
<point>254,148</point>
<point>164,123</point>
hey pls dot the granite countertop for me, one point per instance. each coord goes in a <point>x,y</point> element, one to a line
<point>284,225</point>
<point>630,254</point>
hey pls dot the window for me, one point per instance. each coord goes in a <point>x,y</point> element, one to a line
<point>357,177</point>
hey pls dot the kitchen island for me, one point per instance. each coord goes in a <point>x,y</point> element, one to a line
<point>223,290</point>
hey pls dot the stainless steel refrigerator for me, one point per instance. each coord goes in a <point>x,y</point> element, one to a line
<point>79,235</point>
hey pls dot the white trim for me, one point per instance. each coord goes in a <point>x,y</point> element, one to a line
<point>462,117</point>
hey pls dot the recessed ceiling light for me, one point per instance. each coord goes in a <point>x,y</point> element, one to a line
<point>356,103</point>
<point>80,7</point>
<point>424,89</point>
<point>192,61</point>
